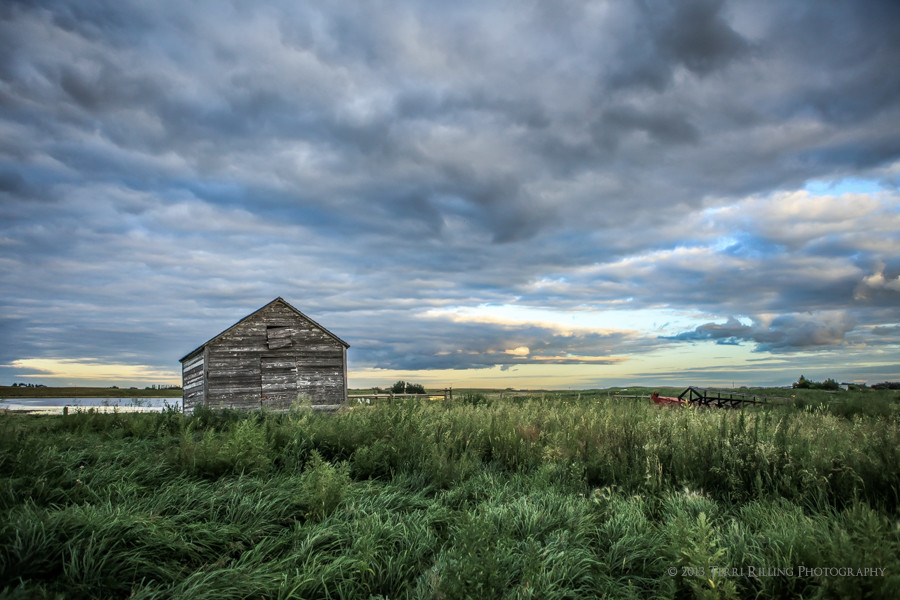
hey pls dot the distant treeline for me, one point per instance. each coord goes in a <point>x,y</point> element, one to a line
<point>830,384</point>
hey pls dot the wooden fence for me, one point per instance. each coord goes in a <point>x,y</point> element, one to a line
<point>445,394</point>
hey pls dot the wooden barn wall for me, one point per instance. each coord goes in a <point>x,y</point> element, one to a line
<point>271,359</point>
<point>192,381</point>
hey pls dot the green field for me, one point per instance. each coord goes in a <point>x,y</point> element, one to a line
<point>540,495</point>
<point>7,391</point>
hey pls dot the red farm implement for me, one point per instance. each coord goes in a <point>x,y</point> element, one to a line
<point>694,396</point>
<point>666,400</point>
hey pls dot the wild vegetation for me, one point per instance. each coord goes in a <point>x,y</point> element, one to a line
<point>405,387</point>
<point>553,495</point>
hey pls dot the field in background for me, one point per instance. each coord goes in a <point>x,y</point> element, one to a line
<point>7,391</point>
<point>535,495</point>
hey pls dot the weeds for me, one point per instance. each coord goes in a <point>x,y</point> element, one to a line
<point>322,486</point>
<point>517,498</point>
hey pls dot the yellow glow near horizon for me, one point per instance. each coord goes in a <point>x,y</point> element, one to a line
<point>705,364</point>
<point>524,376</point>
<point>86,369</point>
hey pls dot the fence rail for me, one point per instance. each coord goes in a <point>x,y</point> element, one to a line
<point>445,394</point>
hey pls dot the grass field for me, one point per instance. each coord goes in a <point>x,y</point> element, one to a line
<point>7,391</point>
<point>543,495</point>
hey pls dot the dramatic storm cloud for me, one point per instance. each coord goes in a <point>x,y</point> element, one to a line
<point>596,192</point>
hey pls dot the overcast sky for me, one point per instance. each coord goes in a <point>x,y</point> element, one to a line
<point>505,194</point>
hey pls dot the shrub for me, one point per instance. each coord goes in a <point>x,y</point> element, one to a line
<point>474,398</point>
<point>322,486</point>
<point>214,454</point>
<point>403,387</point>
<point>805,384</point>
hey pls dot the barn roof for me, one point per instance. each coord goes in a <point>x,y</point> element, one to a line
<point>278,299</point>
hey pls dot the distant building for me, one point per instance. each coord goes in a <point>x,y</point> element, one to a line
<point>267,360</point>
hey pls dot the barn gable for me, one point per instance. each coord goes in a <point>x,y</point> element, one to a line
<point>267,360</point>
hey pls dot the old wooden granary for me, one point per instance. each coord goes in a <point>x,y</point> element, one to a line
<point>268,359</point>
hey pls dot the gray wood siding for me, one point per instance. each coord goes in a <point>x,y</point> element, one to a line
<point>279,384</point>
<point>192,377</point>
<point>269,359</point>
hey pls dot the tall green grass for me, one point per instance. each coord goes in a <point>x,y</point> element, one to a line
<point>548,496</point>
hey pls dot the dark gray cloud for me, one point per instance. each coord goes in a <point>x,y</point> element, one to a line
<point>785,332</point>
<point>166,168</point>
<point>666,35</point>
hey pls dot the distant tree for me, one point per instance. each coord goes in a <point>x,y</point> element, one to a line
<point>403,387</point>
<point>802,384</point>
<point>829,384</point>
<point>887,385</point>
<point>805,384</point>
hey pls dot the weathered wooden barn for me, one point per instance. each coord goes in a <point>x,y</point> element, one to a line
<point>267,360</point>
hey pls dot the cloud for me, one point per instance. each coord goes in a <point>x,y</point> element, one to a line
<point>519,351</point>
<point>441,341</point>
<point>784,333</point>
<point>694,35</point>
<point>877,284</point>
<point>167,168</point>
